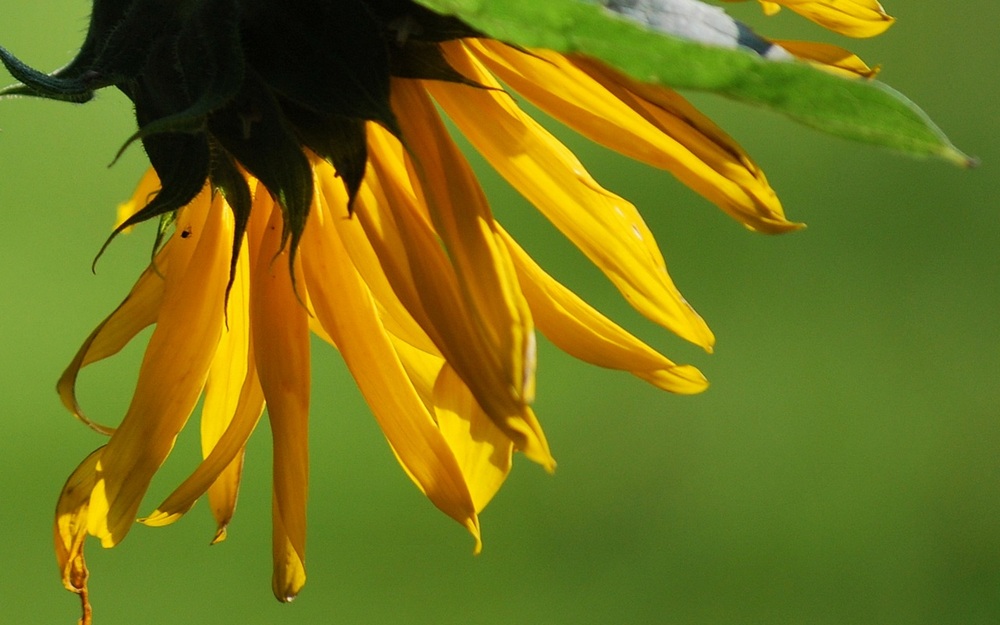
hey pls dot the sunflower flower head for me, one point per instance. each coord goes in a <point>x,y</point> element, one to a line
<point>224,85</point>
<point>311,132</point>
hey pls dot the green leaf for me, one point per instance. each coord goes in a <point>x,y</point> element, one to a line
<point>861,110</point>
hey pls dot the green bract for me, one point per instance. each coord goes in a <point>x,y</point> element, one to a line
<point>221,86</point>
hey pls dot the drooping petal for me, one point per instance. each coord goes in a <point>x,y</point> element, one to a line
<point>395,316</point>
<point>279,324</point>
<point>425,281</point>
<point>136,312</point>
<point>227,451</point>
<point>606,228</point>
<point>422,368</point>
<point>173,370</point>
<point>227,420</point>
<point>670,135</point>
<point>149,186</point>
<point>226,377</point>
<point>346,309</point>
<point>582,332</point>
<point>70,529</point>
<point>462,218</point>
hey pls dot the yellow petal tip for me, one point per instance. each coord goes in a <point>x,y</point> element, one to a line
<point>220,535</point>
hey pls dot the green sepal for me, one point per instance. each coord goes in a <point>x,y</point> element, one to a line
<point>163,226</point>
<point>341,141</point>
<point>39,84</point>
<point>182,163</point>
<point>253,130</point>
<point>861,110</point>
<point>229,180</point>
<point>422,60</point>
<point>206,61</point>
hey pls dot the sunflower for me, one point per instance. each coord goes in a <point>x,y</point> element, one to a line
<point>305,183</point>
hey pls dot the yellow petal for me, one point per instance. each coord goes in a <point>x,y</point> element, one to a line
<point>232,418</point>
<point>669,135</point>
<point>398,320</point>
<point>582,332</point>
<point>226,452</point>
<point>138,311</point>
<point>226,377</point>
<point>770,8</point>
<point>462,218</point>
<point>71,529</point>
<point>346,309</point>
<point>426,283</point>
<point>173,370</point>
<point>606,228</point>
<point>422,368</point>
<point>482,449</point>
<point>280,329</point>
<point>830,58</point>
<point>854,18</point>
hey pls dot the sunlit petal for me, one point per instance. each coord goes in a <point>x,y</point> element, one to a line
<point>482,449</point>
<point>173,370</point>
<point>427,283</point>
<point>347,310</point>
<point>71,529</point>
<point>669,135</point>
<point>280,329</point>
<point>606,228</point>
<point>854,18</point>
<point>579,330</point>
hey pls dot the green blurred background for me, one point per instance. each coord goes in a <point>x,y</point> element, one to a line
<point>844,467</point>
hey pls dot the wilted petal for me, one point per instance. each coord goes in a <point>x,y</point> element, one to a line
<point>138,311</point>
<point>71,529</point>
<point>279,325</point>
<point>345,307</point>
<point>427,283</point>
<point>233,404</point>
<point>173,370</point>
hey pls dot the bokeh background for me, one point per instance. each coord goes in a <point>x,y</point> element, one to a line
<point>844,467</point>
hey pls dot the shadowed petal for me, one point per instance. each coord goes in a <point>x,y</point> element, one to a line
<point>70,529</point>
